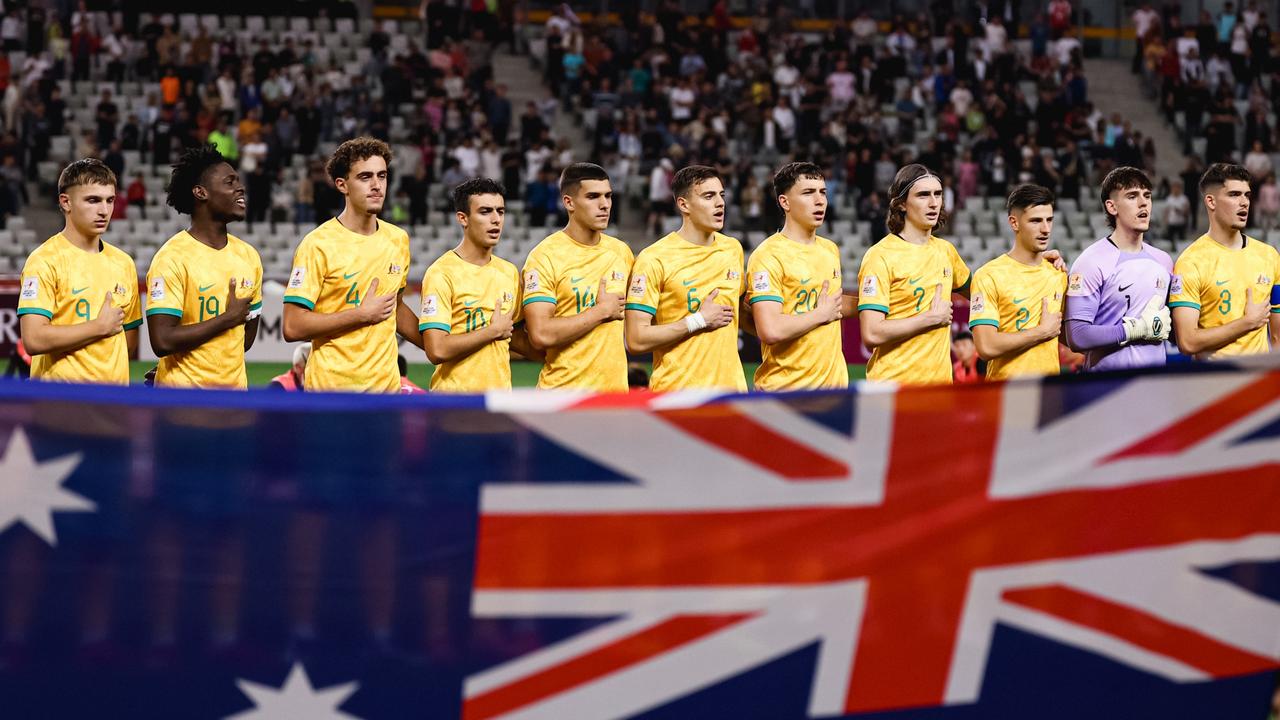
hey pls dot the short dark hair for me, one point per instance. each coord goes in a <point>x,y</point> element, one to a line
<point>1029,195</point>
<point>1124,177</point>
<point>475,186</point>
<point>1219,173</point>
<point>86,171</point>
<point>687,177</point>
<point>788,174</point>
<point>573,175</point>
<point>353,151</point>
<point>187,173</point>
<point>896,215</point>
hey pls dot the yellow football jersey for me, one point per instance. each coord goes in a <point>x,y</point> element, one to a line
<point>188,279</point>
<point>460,297</point>
<point>567,274</point>
<point>899,278</point>
<point>791,273</point>
<point>68,285</point>
<point>1009,296</point>
<point>669,281</point>
<point>332,270</point>
<point>1213,279</point>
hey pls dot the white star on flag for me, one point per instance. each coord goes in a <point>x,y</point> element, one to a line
<point>297,699</point>
<point>31,491</point>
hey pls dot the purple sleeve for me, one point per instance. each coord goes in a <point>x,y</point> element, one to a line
<point>1084,336</point>
<point>1084,289</point>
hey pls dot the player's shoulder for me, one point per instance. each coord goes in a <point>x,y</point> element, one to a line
<point>393,231</point>
<point>51,250</point>
<point>1262,249</point>
<point>730,242</point>
<point>116,255</point>
<point>546,248</point>
<point>1095,255</point>
<point>321,235</point>
<point>504,265</point>
<point>828,245</point>
<point>1195,252</point>
<point>243,248</point>
<point>1159,254</point>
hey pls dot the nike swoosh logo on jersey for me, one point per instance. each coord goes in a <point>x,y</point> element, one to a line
<point>348,276</point>
<point>469,303</point>
<point>1221,282</point>
<point>687,283</point>
<point>77,292</point>
<point>1019,301</point>
<point>204,288</point>
<point>914,280</point>
<point>575,280</point>
<point>805,281</point>
<point>1125,287</point>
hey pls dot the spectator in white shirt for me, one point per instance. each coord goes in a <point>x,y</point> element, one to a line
<point>682,98</point>
<point>840,85</point>
<point>468,158</point>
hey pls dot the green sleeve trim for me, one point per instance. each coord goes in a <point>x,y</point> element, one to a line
<point>299,300</point>
<point>164,311</point>
<point>983,321</point>
<point>871,306</point>
<point>965,286</point>
<point>642,308</point>
<point>256,306</point>
<point>764,298</point>
<point>134,324</point>
<point>1184,303</point>
<point>1275,309</point>
<point>35,311</point>
<point>422,327</point>
<point>538,299</point>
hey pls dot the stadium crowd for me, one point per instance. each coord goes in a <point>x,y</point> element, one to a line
<point>951,92</point>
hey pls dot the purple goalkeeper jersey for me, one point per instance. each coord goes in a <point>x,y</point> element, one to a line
<point>1107,284</point>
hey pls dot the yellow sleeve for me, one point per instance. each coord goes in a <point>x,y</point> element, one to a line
<point>539,280</point>
<point>645,285</point>
<point>166,286</point>
<point>984,305</point>
<point>437,302</point>
<point>1186,286</point>
<point>39,282</point>
<point>255,305</point>
<point>133,313</point>
<point>959,271</point>
<point>404,263</point>
<point>764,277</point>
<point>873,282</point>
<point>742,279</point>
<point>307,276</point>
<point>518,315</point>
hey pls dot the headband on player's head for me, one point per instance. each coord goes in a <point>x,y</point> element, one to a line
<point>907,188</point>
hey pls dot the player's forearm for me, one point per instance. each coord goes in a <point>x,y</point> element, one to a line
<point>251,332</point>
<point>554,332</point>
<point>302,324</point>
<point>441,347</point>
<point>992,345</point>
<point>885,331</point>
<point>1196,340</point>
<point>1083,336</point>
<point>644,337</point>
<point>407,324</point>
<point>777,327</point>
<point>131,343</point>
<point>1273,331</point>
<point>169,339</point>
<point>46,338</point>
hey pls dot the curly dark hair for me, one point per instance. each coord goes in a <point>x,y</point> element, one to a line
<point>353,151</point>
<point>187,173</point>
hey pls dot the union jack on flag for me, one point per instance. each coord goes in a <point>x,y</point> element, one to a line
<point>893,541</point>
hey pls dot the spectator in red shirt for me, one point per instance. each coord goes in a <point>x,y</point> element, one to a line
<point>137,195</point>
<point>968,367</point>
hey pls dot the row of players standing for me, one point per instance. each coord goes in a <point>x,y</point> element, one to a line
<point>583,302</point>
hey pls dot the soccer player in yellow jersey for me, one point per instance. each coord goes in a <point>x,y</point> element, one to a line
<point>470,318</point>
<point>345,292</point>
<point>78,307</point>
<point>1225,292</point>
<point>574,281</point>
<point>204,287</point>
<point>684,291</point>
<point>793,289</point>
<point>1016,311</point>
<point>905,286</point>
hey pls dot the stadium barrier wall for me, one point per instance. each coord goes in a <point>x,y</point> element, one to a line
<point>1104,547</point>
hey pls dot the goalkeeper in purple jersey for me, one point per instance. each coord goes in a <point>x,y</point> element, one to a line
<point>1117,289</point>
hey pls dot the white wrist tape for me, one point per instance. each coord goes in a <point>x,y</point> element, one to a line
<point>695,322</point>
